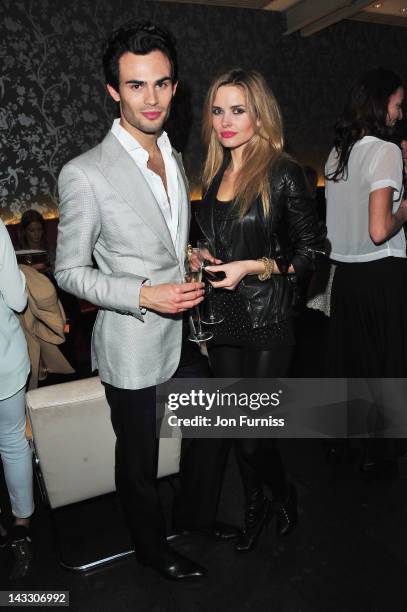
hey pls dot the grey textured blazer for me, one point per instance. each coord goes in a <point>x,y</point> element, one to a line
<point>108,210</point>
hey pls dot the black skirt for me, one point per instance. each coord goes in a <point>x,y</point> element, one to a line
<point>368,324</point>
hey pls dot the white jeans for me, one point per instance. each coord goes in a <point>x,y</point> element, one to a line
<point>16,454</point>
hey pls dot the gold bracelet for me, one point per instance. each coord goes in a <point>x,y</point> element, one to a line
<point>268,268</point>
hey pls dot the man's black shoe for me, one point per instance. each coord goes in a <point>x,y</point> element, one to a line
<point>175,567</point>
<point>219,531</point>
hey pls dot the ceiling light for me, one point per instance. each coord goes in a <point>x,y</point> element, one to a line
<point>377,5</point>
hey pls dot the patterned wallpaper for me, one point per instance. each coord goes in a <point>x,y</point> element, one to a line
<point>53,103</point>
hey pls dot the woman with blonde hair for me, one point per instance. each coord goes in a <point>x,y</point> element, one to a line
<point>259,218</point>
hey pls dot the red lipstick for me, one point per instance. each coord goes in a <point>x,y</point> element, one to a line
<point>228,134</point>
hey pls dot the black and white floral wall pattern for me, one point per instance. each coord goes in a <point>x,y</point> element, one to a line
<point>48,105</point>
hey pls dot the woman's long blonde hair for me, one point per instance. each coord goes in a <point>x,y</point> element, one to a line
<point>261,151</point>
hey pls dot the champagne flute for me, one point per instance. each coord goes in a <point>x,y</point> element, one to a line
<point>193,273</point>
<point>209,317</point>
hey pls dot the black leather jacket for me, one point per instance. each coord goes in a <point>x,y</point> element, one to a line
<point>291,235</point>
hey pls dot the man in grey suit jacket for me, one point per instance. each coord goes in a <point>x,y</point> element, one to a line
<point>126,203</point>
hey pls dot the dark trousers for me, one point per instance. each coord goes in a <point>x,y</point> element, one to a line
<point>133,415</point>
<point>259,459</point>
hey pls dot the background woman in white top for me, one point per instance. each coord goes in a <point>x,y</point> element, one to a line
<point>365,213</point>
<point>14,370</point>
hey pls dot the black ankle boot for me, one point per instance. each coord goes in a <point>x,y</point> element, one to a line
<point>287,516</point>
<point>258,511</point>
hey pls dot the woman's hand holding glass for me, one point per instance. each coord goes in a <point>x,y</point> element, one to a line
<point>205,251</point>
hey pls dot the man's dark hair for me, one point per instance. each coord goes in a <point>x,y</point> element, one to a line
<point>140,38</point>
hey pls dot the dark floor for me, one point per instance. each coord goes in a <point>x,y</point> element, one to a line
<point>348,553</point>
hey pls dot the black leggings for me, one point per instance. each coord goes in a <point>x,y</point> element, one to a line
<point>258,458</point>
<point>239,362</point>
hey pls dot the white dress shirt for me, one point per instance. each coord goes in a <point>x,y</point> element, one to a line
<point>14,360</point>
<point>373,164</point>
<point>169,205</point>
